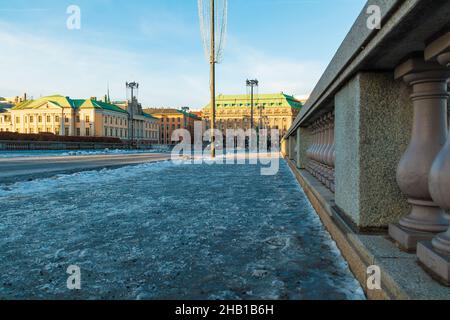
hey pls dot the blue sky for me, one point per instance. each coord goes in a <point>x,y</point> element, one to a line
<point>286,44</point>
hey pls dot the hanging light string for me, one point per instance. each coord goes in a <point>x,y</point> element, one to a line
<point>221,24</point>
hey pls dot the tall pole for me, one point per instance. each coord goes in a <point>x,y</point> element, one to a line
<point>213,81</point>
<point>251,109</point>
<point>252,84</point>
<point>132,116</point>
<point>132,86</point>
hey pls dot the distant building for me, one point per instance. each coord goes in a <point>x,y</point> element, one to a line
<point>13,100</point>
<point>171,120</point>
<point>271,111</point>
<point>78,117</point>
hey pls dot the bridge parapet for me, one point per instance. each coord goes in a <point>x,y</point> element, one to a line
<point>375,130</point>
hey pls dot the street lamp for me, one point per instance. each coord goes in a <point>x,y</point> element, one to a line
<point>252,84</point>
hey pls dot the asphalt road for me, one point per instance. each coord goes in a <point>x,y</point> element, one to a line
<point>19,169</point>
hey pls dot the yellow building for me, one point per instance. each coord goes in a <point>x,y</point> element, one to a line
<point>76,117</point>
<point>271,111</point>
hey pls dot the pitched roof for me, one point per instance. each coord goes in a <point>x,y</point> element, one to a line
<point>94,104</point>
<point>268,100</point>
<point>66,102</point>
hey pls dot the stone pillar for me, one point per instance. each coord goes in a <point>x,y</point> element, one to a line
<point>53,123</point>
<point>62,121</point>
<point>297,148</point>
<point>284,144</point>
<point>44,121</point>
<point>291,147</point>
<point>436,255</point>
<point>304,145</point>
<point>22,124</point>
<point>72,121</point>
<point>372,128</point>
<point>429,134</point>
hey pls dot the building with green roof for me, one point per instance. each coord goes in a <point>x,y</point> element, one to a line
<point>80,117</point>
<point>271,111</point>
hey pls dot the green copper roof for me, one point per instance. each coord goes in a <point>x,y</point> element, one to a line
<point>265,100</point>
<point>94,104</point>
<point>66,102</point>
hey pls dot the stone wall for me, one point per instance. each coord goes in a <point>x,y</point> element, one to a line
<point>303,143</point>
<point>373,125</point>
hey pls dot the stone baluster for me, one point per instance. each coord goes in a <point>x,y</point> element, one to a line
<point>429,134</point>
<point>328,152</point>
<point>435,255</point>
<point>320,150</point>
<point>309,152</point>
<point>333,153</point>
<point>316,146</point>
<point>319,146</point>
<point>324,150</point>
<point>323,153</point>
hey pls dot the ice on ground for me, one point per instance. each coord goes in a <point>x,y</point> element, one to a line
<point>166,231</point>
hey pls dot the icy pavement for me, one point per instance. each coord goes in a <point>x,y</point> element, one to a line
<point>166,231</point>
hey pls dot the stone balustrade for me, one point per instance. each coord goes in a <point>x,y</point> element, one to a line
<point>435,255</point>
<point>321,153</point>
<point>375,130</point>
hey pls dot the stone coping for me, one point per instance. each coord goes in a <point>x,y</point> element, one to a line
<point>405,29</point>
<point>402,276</point>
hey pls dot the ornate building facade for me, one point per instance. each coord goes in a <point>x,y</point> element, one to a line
<point>77,117</point>
<point>271,111</point>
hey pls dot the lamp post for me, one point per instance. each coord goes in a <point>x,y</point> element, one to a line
<point>132,87</point>
<point>252,84</point>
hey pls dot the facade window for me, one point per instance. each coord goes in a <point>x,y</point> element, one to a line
<point>56,119</point>
<point>106,132</point>
<point>111,132</point>
<point>40,119</point>
<point>78,119</point>
<point>87,119</point>
<point>49,119</point>
<point>88,132</point>
<point>17,120</point>
<point>106,119</point>
<point>78,132</point>
<point>66,131</point>
<point>66,120</point>
<point>110,120</point>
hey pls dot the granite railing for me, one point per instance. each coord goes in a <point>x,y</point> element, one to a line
<point>375,129</point>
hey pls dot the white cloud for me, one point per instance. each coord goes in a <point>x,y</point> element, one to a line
<point>45,65</point>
